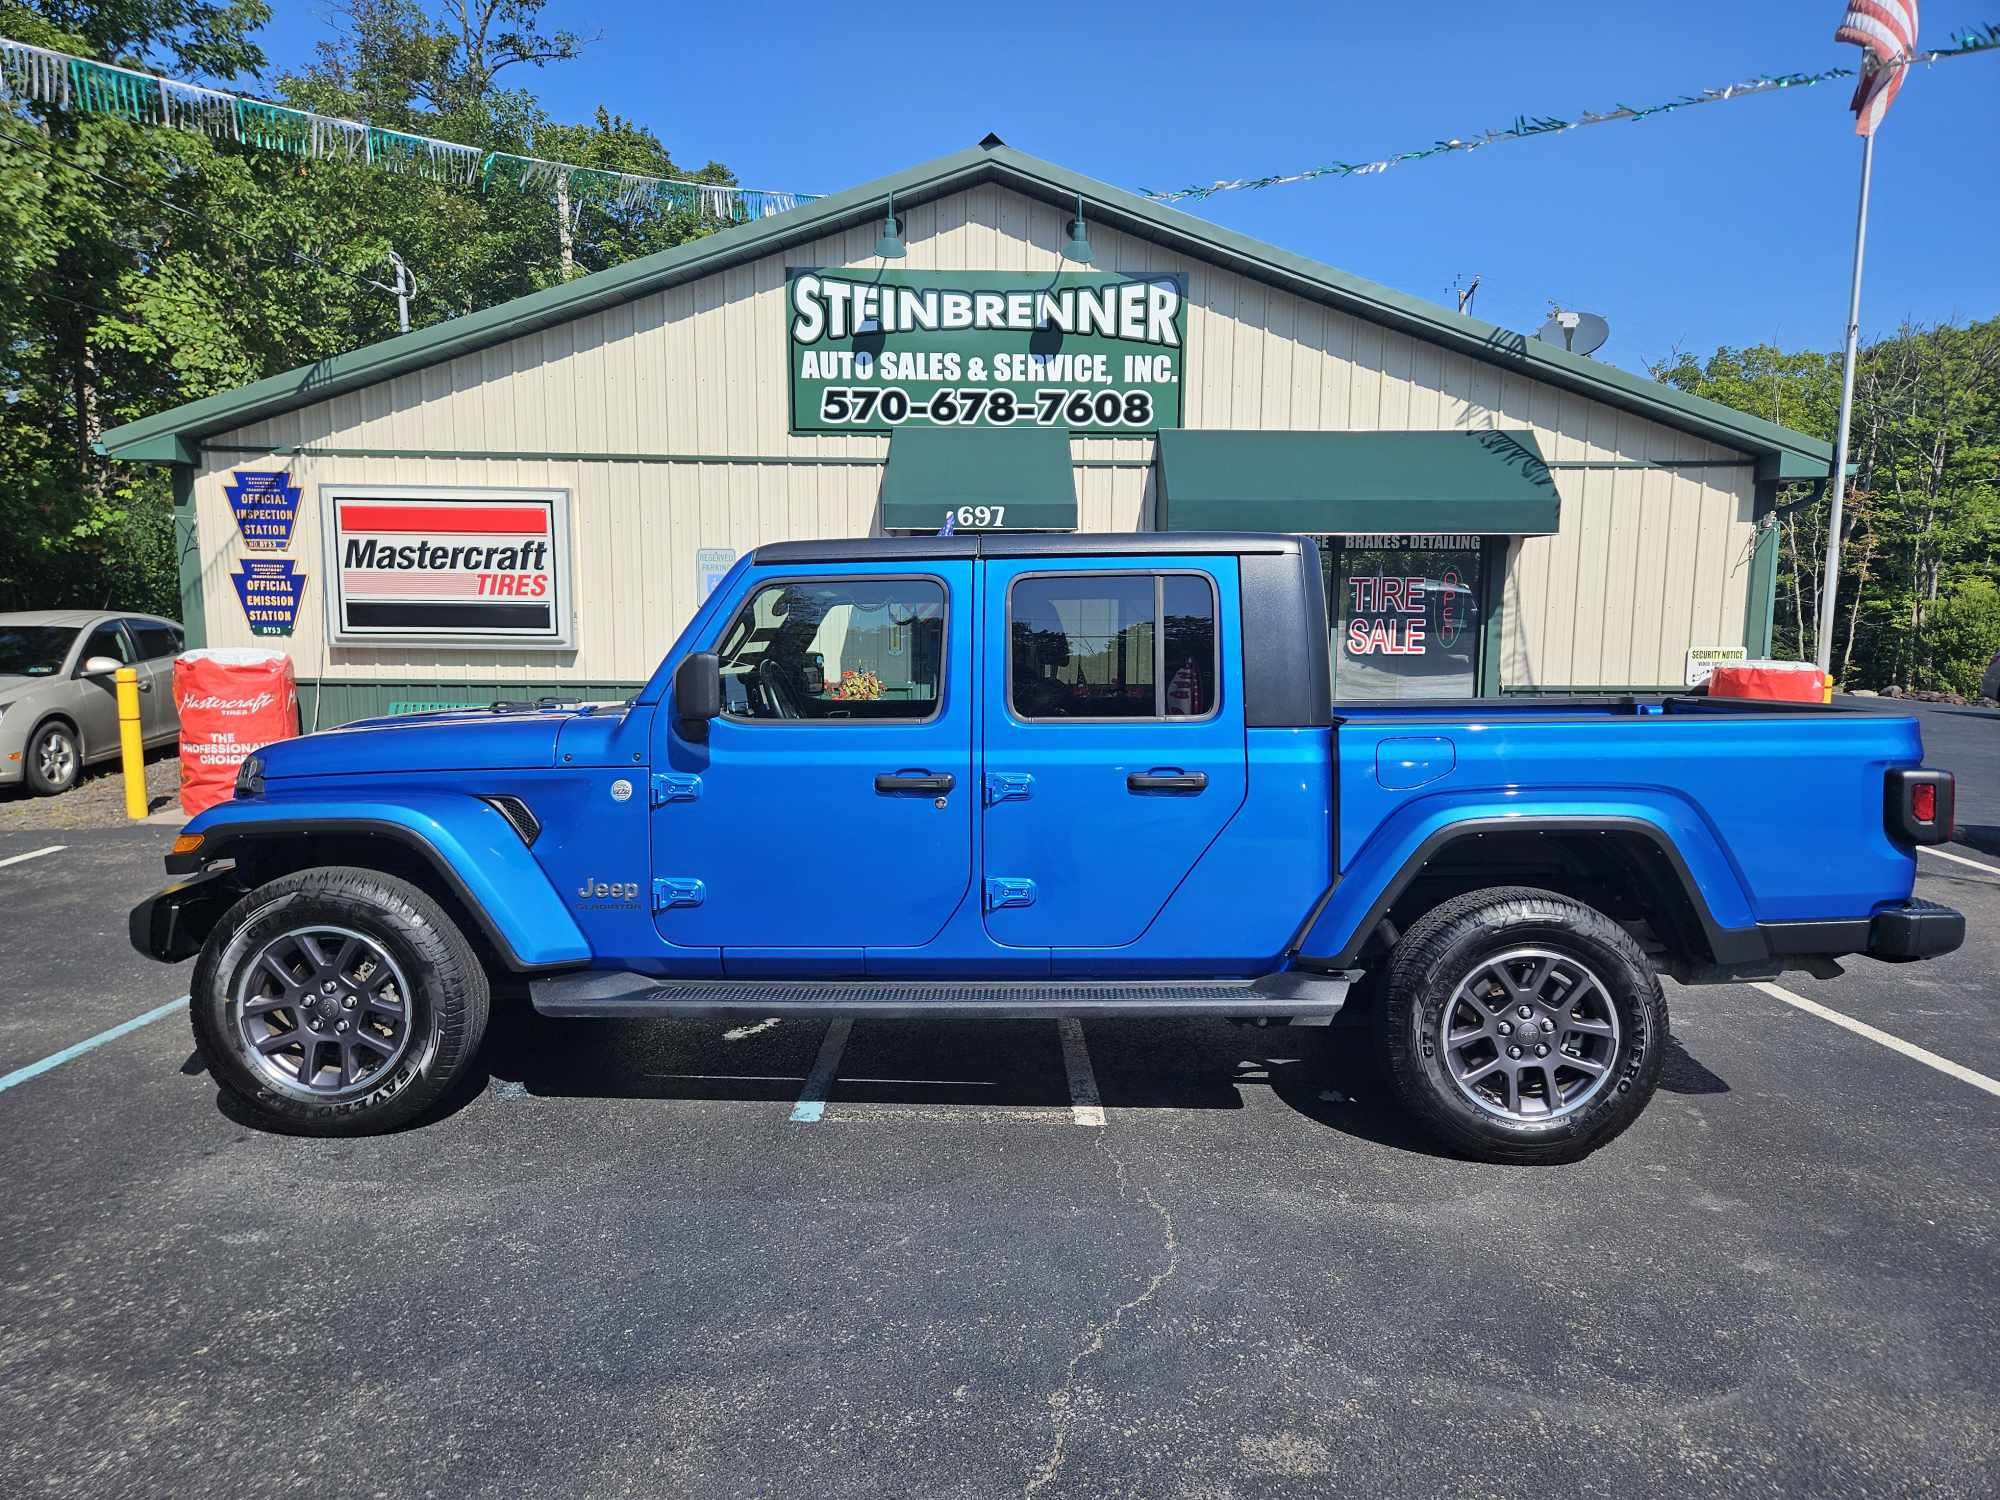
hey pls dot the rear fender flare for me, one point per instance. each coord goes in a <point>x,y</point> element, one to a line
<point>469,845</point>
<point>1387,864</point>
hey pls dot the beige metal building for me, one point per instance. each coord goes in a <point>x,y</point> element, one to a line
<point>535,498</point>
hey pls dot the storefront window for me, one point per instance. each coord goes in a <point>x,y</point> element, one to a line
<point>1405,616</point>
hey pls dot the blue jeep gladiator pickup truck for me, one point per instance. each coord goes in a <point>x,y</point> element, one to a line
<point>1043,776</point>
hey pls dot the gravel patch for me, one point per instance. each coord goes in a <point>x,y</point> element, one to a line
<point>97,801</point>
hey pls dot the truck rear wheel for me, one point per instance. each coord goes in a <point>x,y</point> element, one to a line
<point>1521,1026</point>
<point>337,1001</point>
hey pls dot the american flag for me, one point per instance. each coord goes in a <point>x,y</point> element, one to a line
<point>1888,30</point>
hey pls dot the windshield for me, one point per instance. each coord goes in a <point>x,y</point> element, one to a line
<point>34,650</point>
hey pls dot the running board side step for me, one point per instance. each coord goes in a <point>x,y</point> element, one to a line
<point>602,993</point>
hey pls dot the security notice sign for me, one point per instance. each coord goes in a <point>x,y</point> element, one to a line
<point>473,566</point>
<point>1084,351</point>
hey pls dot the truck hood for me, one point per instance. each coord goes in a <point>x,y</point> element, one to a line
<point>462,740</point>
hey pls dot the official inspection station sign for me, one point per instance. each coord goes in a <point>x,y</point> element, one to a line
<point>266,507</point>
<point>1098,352</point>
<point>473,566</point>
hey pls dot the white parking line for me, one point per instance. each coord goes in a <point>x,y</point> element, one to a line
<point>1085,1106</point>
<point>21,859</point>
<point>1959,859</point>
<point>812,1098</point>
<point>1894,1043</point>
<point>56,1059</point>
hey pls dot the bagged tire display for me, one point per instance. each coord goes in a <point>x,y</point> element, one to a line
<point>233,701</point>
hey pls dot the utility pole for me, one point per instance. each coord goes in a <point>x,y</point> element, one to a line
<point>405,285</point>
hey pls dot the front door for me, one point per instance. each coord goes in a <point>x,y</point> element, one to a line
<point>96,704</point>
<point>830,807</point>
<point>1113,742</point>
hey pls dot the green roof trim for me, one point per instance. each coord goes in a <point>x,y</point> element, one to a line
<point>1484,483</point>
<point>933,471</point>
<point>990,161</point>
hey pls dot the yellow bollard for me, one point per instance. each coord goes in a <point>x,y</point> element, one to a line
<point>131,752</point>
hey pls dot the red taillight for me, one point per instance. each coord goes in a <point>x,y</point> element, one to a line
<point>1923,802</point>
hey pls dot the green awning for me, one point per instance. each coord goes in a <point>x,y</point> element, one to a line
<point>1487,483</point>
<point>1023,473</point>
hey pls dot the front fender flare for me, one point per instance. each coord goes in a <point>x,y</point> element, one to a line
<point>469,845</point>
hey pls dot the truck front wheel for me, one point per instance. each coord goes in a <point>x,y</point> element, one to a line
<point>337,1001</point>
<point>1521,1026</point>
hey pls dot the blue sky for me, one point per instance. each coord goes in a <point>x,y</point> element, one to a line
<point>1727,224</point>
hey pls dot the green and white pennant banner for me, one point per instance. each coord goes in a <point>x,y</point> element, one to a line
<point>1964,44</point>
<point>38,75</point>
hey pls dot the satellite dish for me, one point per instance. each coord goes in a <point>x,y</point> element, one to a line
<point>1578,332</point>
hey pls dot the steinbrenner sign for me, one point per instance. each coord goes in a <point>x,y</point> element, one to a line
<point>1097,352</point>
<point>473,566</point>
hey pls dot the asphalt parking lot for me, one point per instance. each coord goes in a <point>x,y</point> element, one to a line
<point>1144,1259</point>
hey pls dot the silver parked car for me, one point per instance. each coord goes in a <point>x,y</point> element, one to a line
<point>58,702</point>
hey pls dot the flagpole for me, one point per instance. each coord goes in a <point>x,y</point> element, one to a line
<point>1837,484</point>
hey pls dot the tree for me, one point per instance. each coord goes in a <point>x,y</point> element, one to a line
<point>70,526</point>
<point>142,267</point>
<point>1923,513</point>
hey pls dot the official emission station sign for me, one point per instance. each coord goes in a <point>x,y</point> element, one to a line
<point>1097,352</point>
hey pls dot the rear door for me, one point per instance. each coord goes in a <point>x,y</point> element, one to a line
<point>1113,742</point>
<point>829,809</point>
<point>157,644</point>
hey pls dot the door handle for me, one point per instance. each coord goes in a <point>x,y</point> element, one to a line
<point>932,784</point>
<point>1162,779</point>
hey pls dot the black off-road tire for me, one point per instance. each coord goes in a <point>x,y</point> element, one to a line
<point>40,783</point>
<point>448,999</point>
<point>1447,946</point>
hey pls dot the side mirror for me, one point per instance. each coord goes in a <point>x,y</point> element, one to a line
<point>698,687</point>
<point>101,666</point>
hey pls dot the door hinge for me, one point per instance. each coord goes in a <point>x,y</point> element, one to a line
<point>677,892</point>
<point>1009,890</point>
<point>1008,786</point>
<point>669,786</point>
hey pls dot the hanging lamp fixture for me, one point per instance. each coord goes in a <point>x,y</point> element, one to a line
<point>890,246</point>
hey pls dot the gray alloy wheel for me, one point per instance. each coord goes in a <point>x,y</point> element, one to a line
<point>1520,1025</point>
<point>1529,1035</point>
<point>54,759</point>
<point>323,1011</point>
<point>337,1001</point>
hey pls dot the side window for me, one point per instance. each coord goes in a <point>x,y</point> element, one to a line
<point>845,649</point>
<point>1112,646</point>
<point>106,640</point>
<point>154,639</point>
<point>1187,604</point>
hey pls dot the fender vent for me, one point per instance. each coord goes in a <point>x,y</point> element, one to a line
<point>515,811</point>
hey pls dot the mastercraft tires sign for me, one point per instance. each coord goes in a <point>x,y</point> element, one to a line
<point>473,566</point>
<point>1096,352</point>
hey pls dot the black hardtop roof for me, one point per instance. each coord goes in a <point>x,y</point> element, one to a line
<point>1027,544</point>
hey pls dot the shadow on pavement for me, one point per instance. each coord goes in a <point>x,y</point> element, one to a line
<point>1328,1075</point>
<point>1985,837</point>
<point>1683,1073</point>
